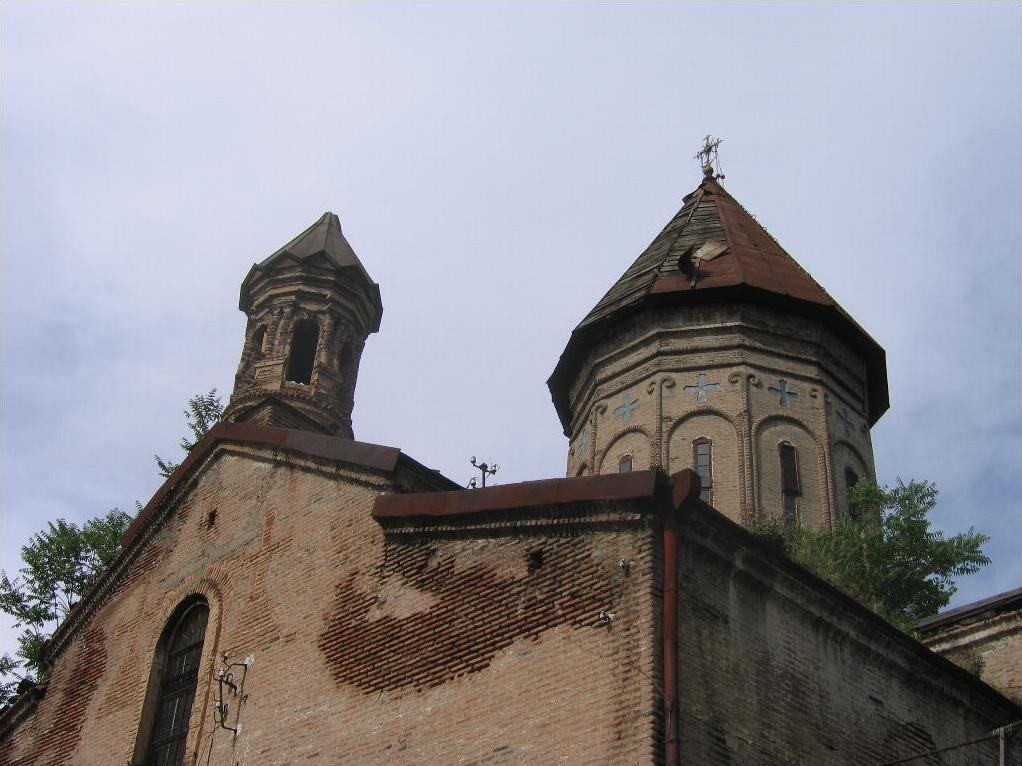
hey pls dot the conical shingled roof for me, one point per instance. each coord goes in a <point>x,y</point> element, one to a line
<point>713,249</point>
<point>323,238</point>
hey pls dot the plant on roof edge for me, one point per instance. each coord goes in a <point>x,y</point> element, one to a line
<point>204,411</point>
<point>884,553</point>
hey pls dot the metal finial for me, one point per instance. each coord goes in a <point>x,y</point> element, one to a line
<point>708,159</point>
<point>485,469</point>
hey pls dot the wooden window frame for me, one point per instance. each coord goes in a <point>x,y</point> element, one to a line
<point>850,472</point>
<point>789,495</point>
<point>706,492</point>
<point>154,690</point>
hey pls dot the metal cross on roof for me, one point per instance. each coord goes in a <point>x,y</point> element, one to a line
<point>708,159</point>
<point>702,388</point>
<point>783,391</point>
<point>629,404</point>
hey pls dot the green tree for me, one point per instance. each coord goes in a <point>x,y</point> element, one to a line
<point>204,411</point>
<point>60,563</point>
<point>884,553</point>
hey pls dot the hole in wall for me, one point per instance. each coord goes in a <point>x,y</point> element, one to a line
<point>535,561</point>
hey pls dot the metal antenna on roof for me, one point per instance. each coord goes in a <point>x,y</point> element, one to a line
<point>708,159</point>
<point>486,471</point>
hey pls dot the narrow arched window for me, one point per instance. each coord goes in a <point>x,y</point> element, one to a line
<point>259,342</point>
<point>851,479</point>
<point>624,465</point>
<point>304,341</point>
<point>172,685</point>
<point>702,457</point>
<point>791,486</point>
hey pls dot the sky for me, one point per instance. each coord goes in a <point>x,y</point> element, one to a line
<point>496,167</point>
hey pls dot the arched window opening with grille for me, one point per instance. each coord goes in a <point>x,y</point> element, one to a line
<point>163,733</point>
<point>791,487</point>
<point>851,479</point>
<point>702,456</point>
<point>624,465</point>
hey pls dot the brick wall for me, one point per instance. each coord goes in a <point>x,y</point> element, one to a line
<point>418,645</point>
<point>988,644</point>
<point>775,668</point>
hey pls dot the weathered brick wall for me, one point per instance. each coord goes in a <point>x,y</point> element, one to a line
<point>990,645</point>
<point>431,645</point>
<point>774,669</point>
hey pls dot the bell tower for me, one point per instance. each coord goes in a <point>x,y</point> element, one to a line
<point>310,307</point>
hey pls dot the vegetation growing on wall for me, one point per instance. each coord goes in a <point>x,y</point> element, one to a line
<point>885,553</point>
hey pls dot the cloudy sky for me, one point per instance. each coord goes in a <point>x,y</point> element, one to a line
<point>496,167</point>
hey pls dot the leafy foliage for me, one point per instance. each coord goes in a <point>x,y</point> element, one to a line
<point>884,554</point>
<point>204,411</point>
<point>60,563</point>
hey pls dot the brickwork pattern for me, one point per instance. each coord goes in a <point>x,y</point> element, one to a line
<point>58,731</point>
<point>773,671</point>
<point>989,646</point>
<point>481,645</point>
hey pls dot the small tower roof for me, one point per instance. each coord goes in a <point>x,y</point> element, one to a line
<point>713,249</point>
<point>323,238</point>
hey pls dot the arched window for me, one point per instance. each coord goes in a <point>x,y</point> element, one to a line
<point>624,465</point>
<point>304,341</point>
<point>702,457</point>
<point>851,479</point>
<point>172,685</point>
<point>259,342</point>
<point>791,487</point>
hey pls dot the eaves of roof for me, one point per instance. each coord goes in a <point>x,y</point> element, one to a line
<point>333,448</point>
<point>322,239</point>
<point>1003,602</point>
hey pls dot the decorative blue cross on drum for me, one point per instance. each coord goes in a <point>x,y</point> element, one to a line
<point>583,442</point>
<point>629,404</point>
<point>702,388</point>
<point>843,417</point>
<point>783,391</point>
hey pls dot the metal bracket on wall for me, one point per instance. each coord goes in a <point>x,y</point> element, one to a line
<point>231,686</point>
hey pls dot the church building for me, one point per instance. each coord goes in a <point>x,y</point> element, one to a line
<point>293,596</point>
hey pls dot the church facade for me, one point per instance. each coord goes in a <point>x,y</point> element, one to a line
<point>291,595</point>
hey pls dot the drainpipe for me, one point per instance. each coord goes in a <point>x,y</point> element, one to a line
<point>684,488</point>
